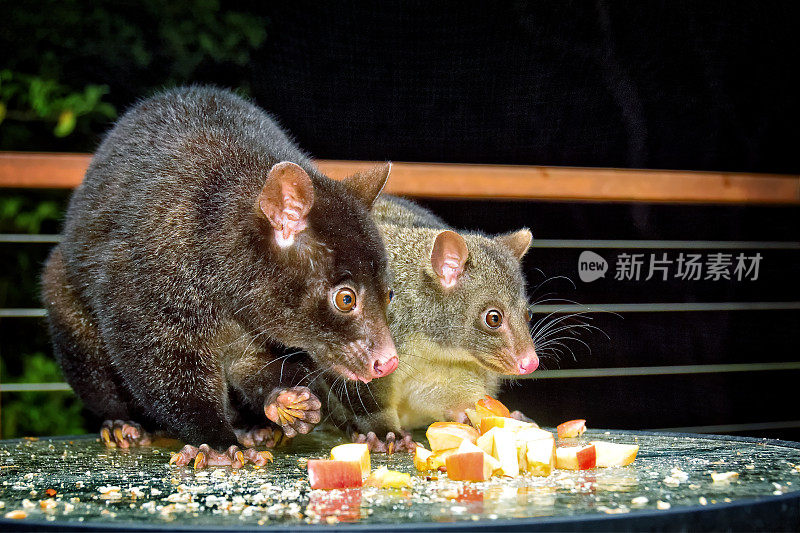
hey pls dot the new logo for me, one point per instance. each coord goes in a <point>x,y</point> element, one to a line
<point>591,266</point>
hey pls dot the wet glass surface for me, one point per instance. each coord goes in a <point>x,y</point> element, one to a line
<point>81,481</point>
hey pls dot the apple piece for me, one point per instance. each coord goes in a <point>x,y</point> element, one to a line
<point>540,456</point>
<point>571,428</point>
<point>421,456</point>
<point>488,422</point>
<point>384,478</point>
<point>501,444</point>
<point>330,474</point>
<point>469,466</point>
<point>474,417</point>
<point>576,457</point>
<point>467,447</point>
<point>437,459</point>
<point>358,452</point>
<point>444,435</point>
<point>526,435</point>
<point>613,454</point>
<point>505,451</point>
<point>486,441</point>
<point>488,406</point>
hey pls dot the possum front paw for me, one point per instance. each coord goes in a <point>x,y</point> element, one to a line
<point>295,410</point>
<point>205,456</point>
<point>262,436</point>
<point>123,434</point>
<point>389,445</point>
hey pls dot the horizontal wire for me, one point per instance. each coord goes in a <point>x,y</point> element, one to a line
<point>664,307</point>
<point>658,370</point>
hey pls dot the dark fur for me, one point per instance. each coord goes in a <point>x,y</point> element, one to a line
<point>167,300</point>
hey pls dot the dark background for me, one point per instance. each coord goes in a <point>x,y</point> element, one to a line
<point>675,85</point>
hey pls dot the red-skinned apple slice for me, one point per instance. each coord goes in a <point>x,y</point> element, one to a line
<point>613,454</point>
<point>469,466</point>
<point>488,406</point>
<point>329,474</point>
<point>358,452</point>
<point>576,457</point>
<point>571,428</point>
<point>444,435</point>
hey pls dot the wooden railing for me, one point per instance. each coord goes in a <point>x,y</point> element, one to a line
<point>440,180</point>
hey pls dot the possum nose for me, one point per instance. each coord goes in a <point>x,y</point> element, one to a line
<point>528,362</point>
<point>384,360</point>
<point>384,368</point>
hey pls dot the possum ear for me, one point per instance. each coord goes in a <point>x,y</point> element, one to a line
<point>285,201</point>
<point>448,257</point>
<point>368,184</point>
<point>518,241</point>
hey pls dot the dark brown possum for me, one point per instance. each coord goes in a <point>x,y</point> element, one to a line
<point>459,319</point>
<point>201,244</point>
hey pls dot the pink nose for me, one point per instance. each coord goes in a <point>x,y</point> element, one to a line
<point>384,368</point>
<point>383,360</point>
<point>528,362</point>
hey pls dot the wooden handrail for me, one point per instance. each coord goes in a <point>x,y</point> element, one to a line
<point>444,180</point>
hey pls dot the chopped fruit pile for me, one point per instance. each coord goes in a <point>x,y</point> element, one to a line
<point>348,467</point>
<point>500,445</point>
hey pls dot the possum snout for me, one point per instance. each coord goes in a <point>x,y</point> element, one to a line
<point>527,361</point>
<point>382,358</point>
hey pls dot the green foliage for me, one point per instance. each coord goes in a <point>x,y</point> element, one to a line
<point>41,413</point>
<point>32,104</point>
<point>21,214</point>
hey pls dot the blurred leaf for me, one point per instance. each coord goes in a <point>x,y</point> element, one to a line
<point>66,123</point>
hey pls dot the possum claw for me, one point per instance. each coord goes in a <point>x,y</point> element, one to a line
<point>295,410</point>
<point>205,456</point>
<point>123,434</point>
<point>390,444</point>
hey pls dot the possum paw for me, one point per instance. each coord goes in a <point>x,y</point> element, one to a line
<point>517,415</point>
<point>269,437</point>
<point>123,434</point>
<point>295,410</point>
<point>389,445</point>
<point>205,455</point>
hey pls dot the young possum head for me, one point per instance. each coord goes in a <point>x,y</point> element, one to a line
<point>464,299</point>
<point>335,291</point>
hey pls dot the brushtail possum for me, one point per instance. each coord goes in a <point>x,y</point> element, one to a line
<point>459,319</point>
<point>201,245</point>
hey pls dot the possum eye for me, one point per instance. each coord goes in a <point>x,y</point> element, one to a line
<point>389,296</point>
<point>493,318</point>
<point>345,300</point>
<point>528,315</point>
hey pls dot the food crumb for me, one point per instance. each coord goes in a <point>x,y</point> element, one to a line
<point>663,505</point>
<point>640,500</point>
<point>16,514</point>
<point>724,477</point>
<point>702,500</point>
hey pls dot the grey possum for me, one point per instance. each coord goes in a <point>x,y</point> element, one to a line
<point>200,247</point>
<point>459,319</point>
